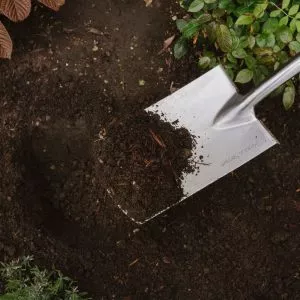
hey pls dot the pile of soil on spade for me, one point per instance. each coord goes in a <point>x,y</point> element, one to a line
<point>143,159</point>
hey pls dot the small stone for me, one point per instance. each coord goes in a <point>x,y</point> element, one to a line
<point>95,48</point>
<point>142,82</point>
<point>166,260</point>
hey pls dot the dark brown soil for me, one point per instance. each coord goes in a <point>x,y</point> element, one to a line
<point>142,160</point>
<point>237,239</point>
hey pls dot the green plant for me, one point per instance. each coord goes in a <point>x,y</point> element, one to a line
<point>250,38</point>
<point>16,11</point>
<point>24,281</point>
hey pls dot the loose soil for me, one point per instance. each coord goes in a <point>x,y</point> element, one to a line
<point>71,75</point>
<point>142,160</point>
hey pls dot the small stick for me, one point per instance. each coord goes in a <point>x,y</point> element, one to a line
<point>158,139</point>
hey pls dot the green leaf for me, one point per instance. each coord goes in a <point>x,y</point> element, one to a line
<point>265,40</point>
<point>8,297</point>
<point>251,41</point>
<point>224,38</point>
<point>229,73</point>
<point>180,23</point>
<point>276,49</point>
<point>229,21</point>
<point>250,62</point>
<point>298,25</point>
<point>245,20</point>
<point>244,76</point>
<point>204,18</point>
<point>294,9</point>
<point>284,34</point>
<point>275,13</point>
<point>284,21</point>
<point>180,48</point>
<point>218,12</point>
<point>261,40</point>
<point>267,60</point>
<point>210,1</point>
<point>278,91</point>
<point>294,46</point>
<point>231,58</point>
<point>190,29</point>
<point>285,4</point>
<point>255,27</point>
<point>224,4</point>
<point>244,43</point>
<point>289,96</point>
<point>196,6</point>
<point>258,76</point>
<point>211,30</point>
<point>235,42</point>
<point>239,53</point>
<point>204,62</point>
<point>283,57</point>
<point>264,70</point>
<point>270,40</point>
<point>298,37</point>
<point>293,26</point>
<point>262,51</point>
<point>259,10</point>
<point>270,26</point>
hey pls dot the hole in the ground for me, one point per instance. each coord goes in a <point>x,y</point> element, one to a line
<point>57,177</point>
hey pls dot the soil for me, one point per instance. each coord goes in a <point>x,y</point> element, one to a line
<point>71,75</point>
<point>142,160</point>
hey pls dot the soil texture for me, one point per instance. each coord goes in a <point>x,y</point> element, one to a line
<point>72,74</point>
<point>142,160</point>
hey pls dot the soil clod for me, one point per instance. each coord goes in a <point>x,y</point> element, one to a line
<point>143,162</point>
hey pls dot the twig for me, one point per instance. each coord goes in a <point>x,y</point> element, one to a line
<point>274,4</point>
<point>158,139</point>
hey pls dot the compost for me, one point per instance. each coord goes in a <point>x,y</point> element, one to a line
<point>142,160</point>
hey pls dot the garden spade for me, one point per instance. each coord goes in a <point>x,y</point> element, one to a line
<point>226,130</point>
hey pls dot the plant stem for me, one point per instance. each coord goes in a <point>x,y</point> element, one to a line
<point>274,4</point>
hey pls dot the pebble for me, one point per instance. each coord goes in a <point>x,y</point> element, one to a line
<point>141,82</point>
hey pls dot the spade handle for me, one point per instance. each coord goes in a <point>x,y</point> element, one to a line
<point>258,94</point>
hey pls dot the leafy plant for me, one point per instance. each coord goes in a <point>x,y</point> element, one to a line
<point>16,11</point>
<point>250,38</point>
<point>24,281</point>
